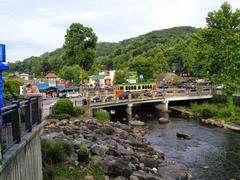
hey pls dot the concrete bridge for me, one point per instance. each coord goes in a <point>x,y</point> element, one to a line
<point>162,98</point>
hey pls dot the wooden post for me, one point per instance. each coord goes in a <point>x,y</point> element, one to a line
<point>129,97</point>
<point>117,98</point>
<point>174,92</point>
<point>164,93</point>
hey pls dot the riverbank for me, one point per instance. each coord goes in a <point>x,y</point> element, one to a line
<point>121,150</point>
<point>186,113</point>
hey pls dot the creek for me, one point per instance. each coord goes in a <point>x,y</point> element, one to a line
<point>212,153</point>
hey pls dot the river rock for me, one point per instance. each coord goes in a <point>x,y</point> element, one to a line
<point>88,178</point>
<point>149,162</point>
<point>163,120</point>
<point>183,135</point>
<point>136,116</point>
<point>133,177</point>
<point>136,123</point>
<point>115,167</point>
<point>141,175</point>
<point>120,178</point>
<point>173,171</point>
<point>99,150</point>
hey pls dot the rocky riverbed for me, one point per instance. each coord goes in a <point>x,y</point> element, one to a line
<point>122,150</point>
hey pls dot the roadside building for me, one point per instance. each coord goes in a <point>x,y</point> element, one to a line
<point>52,79</point>
<point>24,76</point>
<point>104,78</point>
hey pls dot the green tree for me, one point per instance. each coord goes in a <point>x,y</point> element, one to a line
<point>11,86</point>
<point>143,66</point>
<point>120,76</point>
<point>80,46</point>
<point>71,73</point>
<point>221,44</point>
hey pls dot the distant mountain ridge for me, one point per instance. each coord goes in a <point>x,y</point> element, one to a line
<point>107,53</point>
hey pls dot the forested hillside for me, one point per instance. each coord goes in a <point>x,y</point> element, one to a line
<point>157,51</point>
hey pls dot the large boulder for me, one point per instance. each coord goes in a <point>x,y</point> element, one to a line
<point>184,135</point>
<point>163,120</point>
<point>136,123</point>
<point>99,150</point>
<point>173,171</point>
<point>149,162</point>
<point>115,167</point>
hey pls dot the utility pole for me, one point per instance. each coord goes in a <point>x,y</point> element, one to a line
<point>81,80</point>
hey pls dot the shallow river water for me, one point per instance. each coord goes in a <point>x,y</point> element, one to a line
<point>212,153</point>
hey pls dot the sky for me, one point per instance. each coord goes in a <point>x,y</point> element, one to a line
<point>33,27</point>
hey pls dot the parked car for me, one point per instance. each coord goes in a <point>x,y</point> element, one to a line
<point>95,99</point>
<point>72,95</point>
<point>62,95</point>
<point>148,93</point>
<point>108,98</point>
<point>124,95</point>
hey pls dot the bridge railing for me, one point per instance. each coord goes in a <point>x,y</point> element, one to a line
<point>18,119</point>
<point>162,93</point>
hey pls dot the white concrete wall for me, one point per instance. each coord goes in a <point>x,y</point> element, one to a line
<point>23,161</point>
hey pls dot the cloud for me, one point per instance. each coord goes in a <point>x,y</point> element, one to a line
<point>34,27</point>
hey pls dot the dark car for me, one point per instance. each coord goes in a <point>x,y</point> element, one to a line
<point>124,95</point>
<point>95,99</point>
<point>108,98</point>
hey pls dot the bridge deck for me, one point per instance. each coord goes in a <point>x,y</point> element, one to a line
<point>168,96</point>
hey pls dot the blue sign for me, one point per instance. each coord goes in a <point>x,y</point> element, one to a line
<point>141,76</point>
<point>2,53</point>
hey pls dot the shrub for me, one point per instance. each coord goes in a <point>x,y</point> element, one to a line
<point>53,152</point>
<point>102,115</point>
<point>77,111</point>
<point>83,149</point>
<point>63,106</point>
<point>58,116</point>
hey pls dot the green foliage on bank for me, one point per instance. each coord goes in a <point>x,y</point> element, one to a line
<point>53,152</point>
<point>58,162</point>
<point>102,115</point>
<point>73,172</point>
<point>63,106</point>
<point>77,111</point>
<point>217,111</point>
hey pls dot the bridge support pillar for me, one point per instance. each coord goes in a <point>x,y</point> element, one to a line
<point>129,112</point>
<point>163,106</point>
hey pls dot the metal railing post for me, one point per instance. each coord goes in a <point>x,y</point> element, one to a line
<point>39,107</point>
<point>16,122</point>
<point>28,115</point>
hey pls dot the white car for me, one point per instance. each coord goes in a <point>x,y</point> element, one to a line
<point>72,95</point>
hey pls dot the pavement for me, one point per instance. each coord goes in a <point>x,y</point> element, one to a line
<point>50,102</point>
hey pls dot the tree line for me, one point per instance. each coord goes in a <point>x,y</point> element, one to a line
<point>212,51</point>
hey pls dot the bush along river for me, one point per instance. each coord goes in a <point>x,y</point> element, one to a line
<point>212,153</point>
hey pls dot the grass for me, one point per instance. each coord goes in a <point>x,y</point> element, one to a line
<point>102,115</point>
<point>59,165</point>
<point>74,172</point>
<point>216,111</point>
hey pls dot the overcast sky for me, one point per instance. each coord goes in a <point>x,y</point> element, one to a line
<point>32,27</point>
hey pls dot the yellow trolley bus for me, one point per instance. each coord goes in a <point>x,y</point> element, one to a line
<point>135,87</point>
